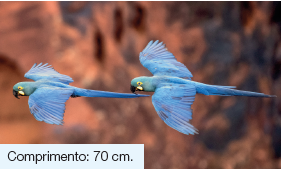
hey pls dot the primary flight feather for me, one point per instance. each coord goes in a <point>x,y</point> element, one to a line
<point>50,91</point>
<point>174,91</point>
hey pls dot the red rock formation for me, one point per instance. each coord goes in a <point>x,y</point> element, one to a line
<point>97,44</point>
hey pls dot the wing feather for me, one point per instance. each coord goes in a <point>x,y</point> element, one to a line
<point>48,104</point>
<point>173,105</point>
<point>159,61</point>
<point>38,72</point>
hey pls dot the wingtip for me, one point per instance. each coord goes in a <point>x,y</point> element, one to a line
<point>195,131</point>
<point>155,43</point>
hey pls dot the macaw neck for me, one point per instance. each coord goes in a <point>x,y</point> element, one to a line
<point>29,87</point>
<point>149,83</point>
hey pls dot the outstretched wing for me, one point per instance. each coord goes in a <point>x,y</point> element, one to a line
<point>48,104</point>
<point>46,72</point>
<point>173,105</point>
<point>159,61</point>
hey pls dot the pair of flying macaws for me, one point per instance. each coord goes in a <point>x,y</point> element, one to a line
<point>174,91</point>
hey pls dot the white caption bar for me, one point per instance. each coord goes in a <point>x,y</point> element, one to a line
<point>71,156</point>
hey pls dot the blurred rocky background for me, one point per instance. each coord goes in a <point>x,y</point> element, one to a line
<point>97,44</point>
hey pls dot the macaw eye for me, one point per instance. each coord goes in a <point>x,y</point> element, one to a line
<point>20,87</point>
<point>139,83</point>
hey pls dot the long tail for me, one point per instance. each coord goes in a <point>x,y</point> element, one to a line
<point>96,93</point>
<point>226,91</point>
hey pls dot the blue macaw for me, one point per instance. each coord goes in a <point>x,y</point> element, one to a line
<point>50,91</point>
<point>174,90</point>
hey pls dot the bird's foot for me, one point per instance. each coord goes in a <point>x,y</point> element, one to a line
<point>74,96</point>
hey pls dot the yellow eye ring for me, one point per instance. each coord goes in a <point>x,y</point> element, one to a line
<point>20,87</point>
<point>139,83</point>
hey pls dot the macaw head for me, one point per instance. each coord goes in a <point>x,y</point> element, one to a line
<point>23,89</point>
<point>142,84</point>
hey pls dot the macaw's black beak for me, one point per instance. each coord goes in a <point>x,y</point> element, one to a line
<point>133,89</point>
<point>15,93</point>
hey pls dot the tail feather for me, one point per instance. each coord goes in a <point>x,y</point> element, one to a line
<point>96,93</point>
<point>219,86</point>
<point>227,91</point>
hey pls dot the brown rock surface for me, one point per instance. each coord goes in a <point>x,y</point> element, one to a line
<point>97,44</point>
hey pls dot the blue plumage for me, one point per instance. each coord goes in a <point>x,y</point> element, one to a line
<point>174,90</point>
<point>40,72</point>
<point>48,104</point>
<point>160,62</point>
<point>51,90</point>
<point>172,103</point>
